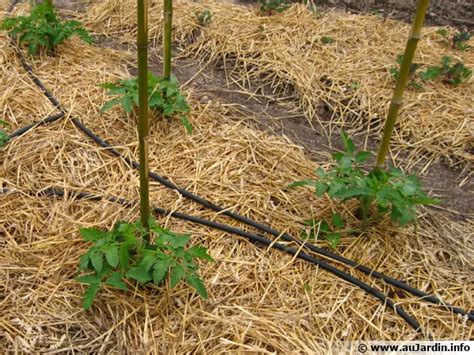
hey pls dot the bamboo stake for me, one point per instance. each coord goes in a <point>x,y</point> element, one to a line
<point>397,99</point>
<point>168,18</point>
<point>142,46</point>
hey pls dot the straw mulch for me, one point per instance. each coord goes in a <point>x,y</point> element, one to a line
<point>351,75</point>
<point>260,300</point>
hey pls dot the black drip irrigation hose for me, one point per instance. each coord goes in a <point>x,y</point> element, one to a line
<point>254,238</point>
<point>264,228</point>
<point>23,130</point>
<point>208,204</point>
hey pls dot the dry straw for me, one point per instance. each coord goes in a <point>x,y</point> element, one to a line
<point>259,299</point>
<point>351,75</point>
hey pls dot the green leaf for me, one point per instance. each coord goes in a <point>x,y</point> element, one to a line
<point>348,143</point>
<point>109,104</point>
<point>112,256</point>
<point>200,252</point>
<point>89,295</point>
<point>139,274</point>
<point>186,124</point>
<point>84,262</point>
<point>127,104</point>
<point>195,282</point>
<point>362,156</point>
<point>321,188</point>
<point>177,274</point>
<point>116,280</point>
<point>337,221</point>
<point>92,234</point>
<point>123,256</point>
<point>97,259</point>
<point>160,269</point>
<point>333,239</point>
<point>89,279</point>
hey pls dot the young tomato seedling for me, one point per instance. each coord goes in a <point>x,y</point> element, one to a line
<point>270,7</point>
<point>43,29</point>
<point>379,192</point>
<point>123,254</point>
<point>458,41</point>
<point>453,74</point>
<point>164,97</point>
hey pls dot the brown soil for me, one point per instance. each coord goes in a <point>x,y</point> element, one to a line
<point>456,13</point>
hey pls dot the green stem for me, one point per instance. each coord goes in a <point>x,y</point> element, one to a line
<point>397,99</point>
<point>142,45</point>
<point>168,18</point>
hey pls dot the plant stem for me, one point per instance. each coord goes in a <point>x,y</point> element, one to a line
<point>397,99</point>
<point>142,45</point>
<point>168,19</point>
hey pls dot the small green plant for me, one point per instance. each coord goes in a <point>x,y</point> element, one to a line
<point>204,17</point>
<point>122,253</point>
<point>270,7</point>
<point>43,29</point>
<point>379,192</point>
<point>164,97</point>
<point>4,138</point>
<point>453,74</point>
<point>327,40</point>
<point>395,73</point>
<point>458,41</point>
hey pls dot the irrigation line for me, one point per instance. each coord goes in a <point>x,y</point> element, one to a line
<point>235,216</point>
<point>23,130</point>
<point>254,238</point>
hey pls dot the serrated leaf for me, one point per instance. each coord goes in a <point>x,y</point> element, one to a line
<point>362,156</point>
<point>116,280</point>
<point>177,274</point>
<point>138,274</point>
<point>89,279</point>
<point>123,256</point>
<point>112,256</point>
<point>92,234</point>
<point>200,252</point>
<point>97,260</point>
<point>89,295</point>
<point>109,104</point>
<point>160,269</point>
<point>321,188</point>
<point>348,143</point>
<point>186,124</point>
<point>195,282</point>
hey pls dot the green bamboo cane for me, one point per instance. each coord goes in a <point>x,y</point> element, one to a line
<point>142,45</point>
<point>168,19</point>
<point>397,99</point>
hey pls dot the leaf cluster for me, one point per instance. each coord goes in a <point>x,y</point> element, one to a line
<point>458,40</point>
<point>122,254</point>
<point>164,97</point>
<point>204,17</point>
<point>270,7</point>
<point>4,137</point>
<point>451,73</point>
<point>389,192</point>
<point>43,29</point>
<point>413,82</point>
